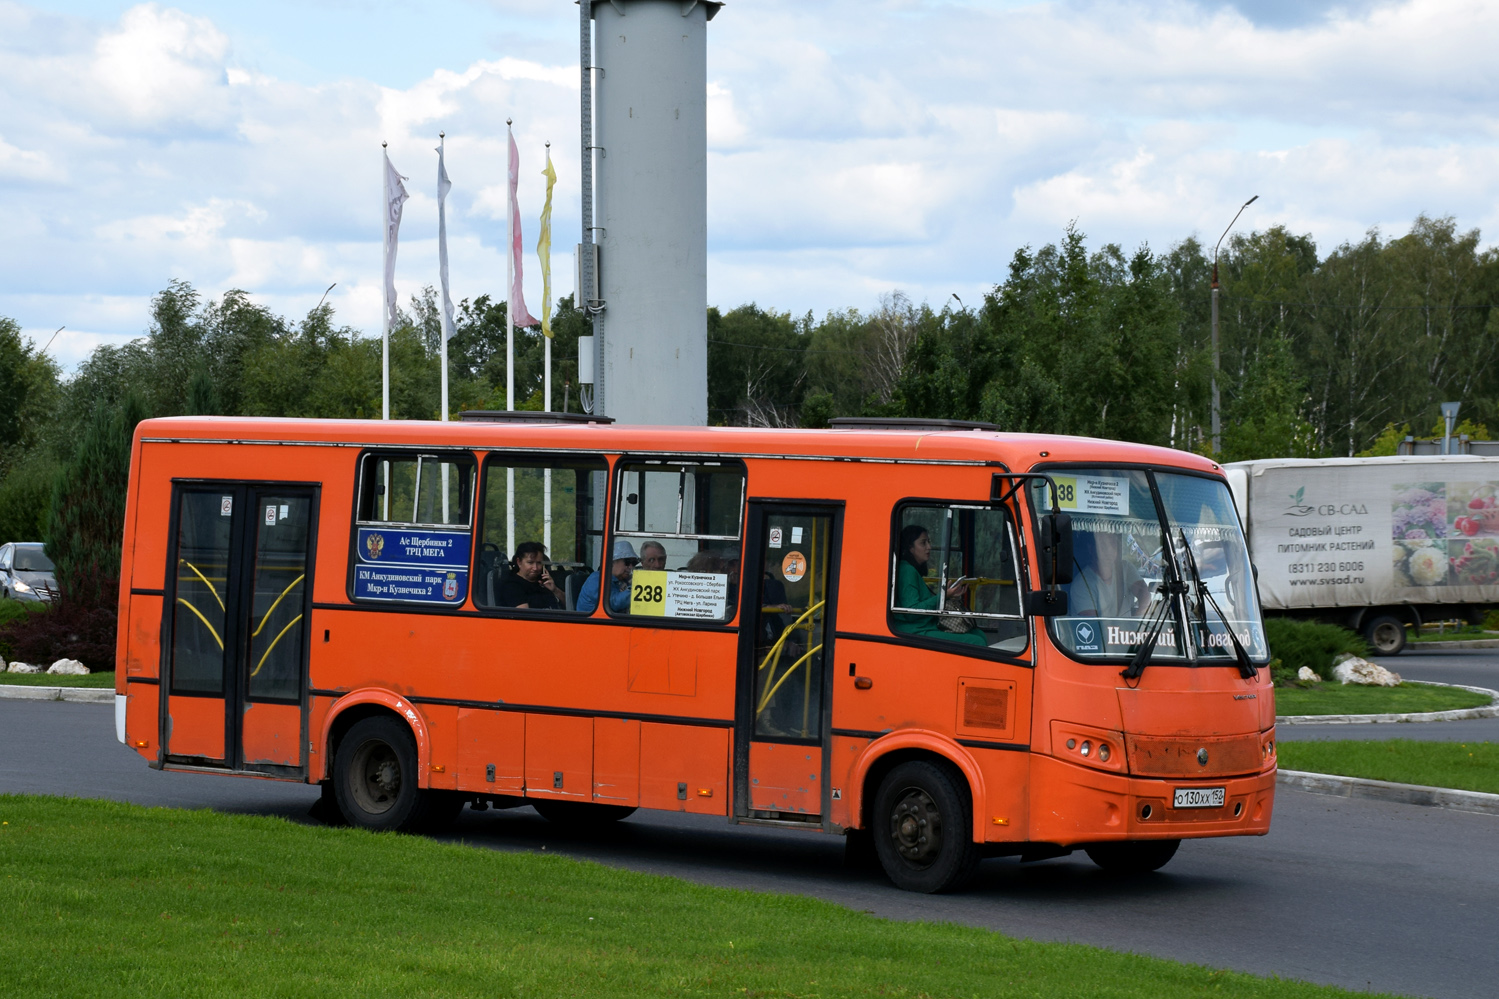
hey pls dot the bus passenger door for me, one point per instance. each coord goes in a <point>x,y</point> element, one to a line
<point>782,716</point>
<point>236,643</point>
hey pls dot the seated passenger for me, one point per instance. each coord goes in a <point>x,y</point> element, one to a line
<point>620,570</point>
<point>1106,585</point>
<point>529,585</point>
<point>911,590</point>
<point>652,555</point>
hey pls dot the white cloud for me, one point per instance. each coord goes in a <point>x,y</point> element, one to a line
<point>853,147</point>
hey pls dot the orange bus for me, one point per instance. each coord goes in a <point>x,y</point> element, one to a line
<point>942,641</point>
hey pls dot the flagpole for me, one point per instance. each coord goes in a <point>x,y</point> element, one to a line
<point>546,377</point>
<point>384,293</point>
<point>509,333</point>
<point>442,219</point>
<point>510,293</point>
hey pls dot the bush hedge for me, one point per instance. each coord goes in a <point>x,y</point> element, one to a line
<point>1310,643</point>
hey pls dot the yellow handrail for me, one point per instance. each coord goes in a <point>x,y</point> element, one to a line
<point>775,649</point>
<point>268,648</point>
<point>210,628</point>
<point>267,617</point>
<point>207,584</point>
<point>765,699</point>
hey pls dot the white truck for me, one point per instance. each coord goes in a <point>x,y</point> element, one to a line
<point>1373,544</point>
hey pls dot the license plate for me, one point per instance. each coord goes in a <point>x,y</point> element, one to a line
<point>1197,797</point>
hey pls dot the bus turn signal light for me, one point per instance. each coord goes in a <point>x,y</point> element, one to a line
<point>705,792</point>
<point>862,683</point>
<point>142,743</point>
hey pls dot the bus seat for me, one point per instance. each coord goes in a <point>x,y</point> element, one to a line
<point>494,579</point>
<point>570,587</point>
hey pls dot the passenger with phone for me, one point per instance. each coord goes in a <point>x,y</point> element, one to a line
<point>912,591</point>
<point>529,586</point>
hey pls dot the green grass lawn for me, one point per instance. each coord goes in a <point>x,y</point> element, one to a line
<point>46,680</point>
<point>105,899</point>
<point>1468,633</point>
<point>1339,699</point>
<point>1471,766</point>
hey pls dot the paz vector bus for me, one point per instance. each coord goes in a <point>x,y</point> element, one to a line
<point>942,641</point>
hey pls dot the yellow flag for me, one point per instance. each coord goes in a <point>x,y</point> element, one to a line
<point>544,249</point>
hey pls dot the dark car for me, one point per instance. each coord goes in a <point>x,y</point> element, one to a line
<point>26,573</point>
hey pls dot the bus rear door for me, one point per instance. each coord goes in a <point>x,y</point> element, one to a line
<point>239,585</point>
<point>783,717</point>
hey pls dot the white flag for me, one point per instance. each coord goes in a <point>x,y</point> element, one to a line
<point>443,187</point>
<point>395,197</point>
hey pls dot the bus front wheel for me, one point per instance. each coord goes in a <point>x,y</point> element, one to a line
<point>1133,857</point>
<point>923,828</point>
<point>375,780</point>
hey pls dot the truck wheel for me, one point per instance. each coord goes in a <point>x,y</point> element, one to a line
<point>923,828</point>
<point>375,781</point>
<point>1133,857</point>
<point>1385,634</point>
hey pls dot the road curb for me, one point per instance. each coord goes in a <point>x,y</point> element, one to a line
<point>1459,714</point>
<point>1476,643</point>
<point>1382,790</point>
<point>80,695</point>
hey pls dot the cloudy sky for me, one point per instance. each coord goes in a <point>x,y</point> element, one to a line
<point>854,147</point>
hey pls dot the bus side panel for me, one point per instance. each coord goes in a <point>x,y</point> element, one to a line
<point>272,734</point>
<point>142,718</point>
<point>679,763</point>
<point>616,761</point>
<point>846,753</point>
<point>442,735</point>
<point>488,738</point>
<point>195,727</point>
<point>319,763</point>
<point>787,778</point>
<point>559,757</point>
<point>142,635</point>
<point>1004,815</point>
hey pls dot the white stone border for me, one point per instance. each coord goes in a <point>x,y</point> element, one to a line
<point>1382,790</point>
<point>1460,714</point>
<point>86,695</point>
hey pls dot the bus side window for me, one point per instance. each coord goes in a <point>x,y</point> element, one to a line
<point>557,503</point>
<point>954,577</point>
<point>413,527</point>
<point>684,520</point>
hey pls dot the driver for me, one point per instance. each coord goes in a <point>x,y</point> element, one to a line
<point>1106,584</point>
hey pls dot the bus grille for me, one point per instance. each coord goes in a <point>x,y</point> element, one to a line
<point>1152,756</point>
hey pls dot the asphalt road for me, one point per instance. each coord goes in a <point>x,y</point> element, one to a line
<point>1363,894</point>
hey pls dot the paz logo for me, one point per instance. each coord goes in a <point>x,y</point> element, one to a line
<point>1085,633</point>
<point>1298,508</point>
<point>374,544</point>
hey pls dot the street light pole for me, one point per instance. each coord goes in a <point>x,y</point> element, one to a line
<point>1217,427</point>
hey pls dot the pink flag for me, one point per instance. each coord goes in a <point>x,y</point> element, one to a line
<point>518,313</point>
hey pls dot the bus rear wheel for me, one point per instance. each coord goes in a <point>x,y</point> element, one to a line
<point>923,828</point>
<point>580,814</point>
<point>1133,857</point>
<point>375,781</point>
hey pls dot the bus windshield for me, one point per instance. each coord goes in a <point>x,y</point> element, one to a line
<point>1124,553</point>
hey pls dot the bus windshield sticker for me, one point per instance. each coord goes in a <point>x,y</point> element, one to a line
<point>417,564</point>
<point>663,593</point>
<point>1093,494</point>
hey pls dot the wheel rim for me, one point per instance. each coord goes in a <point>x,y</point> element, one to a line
<point>1387,636</point>
<point>916,828</point>
<point>376,777</point>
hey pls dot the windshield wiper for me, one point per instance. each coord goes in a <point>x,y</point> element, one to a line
<point>1247,669</point>
<point>1152,634</point>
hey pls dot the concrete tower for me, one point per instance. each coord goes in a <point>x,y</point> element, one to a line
<point>651,208</point>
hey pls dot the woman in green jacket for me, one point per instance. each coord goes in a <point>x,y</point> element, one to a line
<point>911,590</point>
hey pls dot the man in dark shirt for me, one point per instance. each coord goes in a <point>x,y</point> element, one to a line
<point>529,585</point>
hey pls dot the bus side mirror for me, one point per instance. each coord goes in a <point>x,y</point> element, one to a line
<point>1046,603</point>
<point>1056,549</point>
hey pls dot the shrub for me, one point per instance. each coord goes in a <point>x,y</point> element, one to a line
<point>65,630</point>
<point>15,610</point>
<point>1310,643</point>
